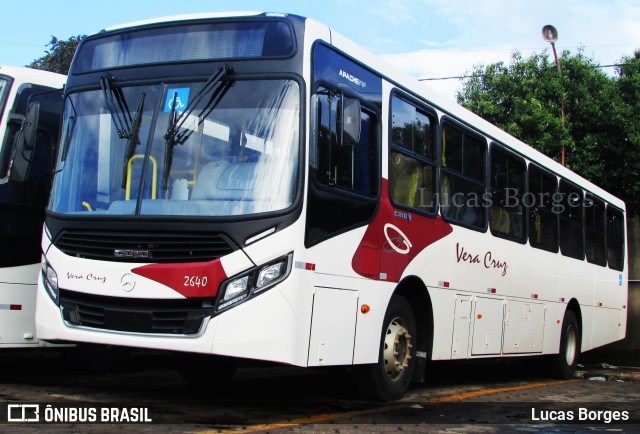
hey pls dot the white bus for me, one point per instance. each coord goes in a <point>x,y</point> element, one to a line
<point>256,186</point>
<point>31,109</point>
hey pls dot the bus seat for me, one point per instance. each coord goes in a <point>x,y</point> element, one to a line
<point>500,221</point>
<point>405,179</point>
<point>207,180</point>
<point>225,181</point>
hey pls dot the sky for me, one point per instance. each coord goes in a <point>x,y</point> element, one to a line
<point>425,38</point>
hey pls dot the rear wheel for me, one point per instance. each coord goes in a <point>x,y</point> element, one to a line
<point>389,379</point>
<point>564,364</point>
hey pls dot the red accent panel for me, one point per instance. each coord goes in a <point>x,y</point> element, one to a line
<point>15,307</point>
<point>196,279</point>
<point>376,255</point>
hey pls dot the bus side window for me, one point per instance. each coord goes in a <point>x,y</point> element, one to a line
<point>543,218</point>
<point>412,160</point>
<point>463,185</point>
<point>594,230</point>
<point>570,205</point>
<point>615,238</point>
<point>507,217</point>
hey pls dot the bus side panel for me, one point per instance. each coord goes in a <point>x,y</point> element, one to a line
<point>523,327</point>
<point>462,327</point>
<point>262,328</point>
<point>538,275</point>
<point>333,327</point>
<point>17,305</point>
<point>376,295</point>
<point>609,311</point>
<point>606,327</point>
<point>477,266</point>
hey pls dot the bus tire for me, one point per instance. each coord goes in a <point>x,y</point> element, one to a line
<point>389,379</point>
<point>205,371</point>
<point>563,365</point>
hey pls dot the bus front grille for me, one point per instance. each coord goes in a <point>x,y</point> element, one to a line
<point>172,317</point>
<point>143,247</point>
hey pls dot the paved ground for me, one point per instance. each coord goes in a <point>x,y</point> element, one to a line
<point>459,397</point>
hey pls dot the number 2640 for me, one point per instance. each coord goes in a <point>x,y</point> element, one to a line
<point>195,281</point>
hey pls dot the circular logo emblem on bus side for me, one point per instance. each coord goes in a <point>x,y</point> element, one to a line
<point>401,237</point>
<point>128,282</point>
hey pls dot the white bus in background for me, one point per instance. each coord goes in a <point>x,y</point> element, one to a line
<point>256,186</point>
<point>31,103</point>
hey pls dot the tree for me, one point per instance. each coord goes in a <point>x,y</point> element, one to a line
<point>622,165</point>
<point>601,134</point>
<point>58,57</point>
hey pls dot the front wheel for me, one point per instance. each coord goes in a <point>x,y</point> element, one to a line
<point>389,379</point>
<point>564,364</point>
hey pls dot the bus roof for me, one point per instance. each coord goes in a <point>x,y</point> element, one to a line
<point>184,17</point>
<point>23,74</point>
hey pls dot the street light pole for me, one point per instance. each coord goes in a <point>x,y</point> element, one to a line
<point>550,34</point>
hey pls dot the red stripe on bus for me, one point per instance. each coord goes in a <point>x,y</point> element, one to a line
<point>394,238</point>
<point>195,279</point>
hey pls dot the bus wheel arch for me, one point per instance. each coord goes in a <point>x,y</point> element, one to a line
<point>574,306</point>
<point>563,365</point>
<point>414,290</point>
<point>388,379</point>
<point>408,318</point>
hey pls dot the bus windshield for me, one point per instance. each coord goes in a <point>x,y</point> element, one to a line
<point>187,149</point>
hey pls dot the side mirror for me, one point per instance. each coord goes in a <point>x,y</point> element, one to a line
<point>29,129</point>
<point>349,121</point>
<point>24,145</point>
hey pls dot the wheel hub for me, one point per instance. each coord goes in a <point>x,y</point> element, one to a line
<point>397,349</point>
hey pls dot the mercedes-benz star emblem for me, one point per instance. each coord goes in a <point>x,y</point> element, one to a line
<point>128,282</point>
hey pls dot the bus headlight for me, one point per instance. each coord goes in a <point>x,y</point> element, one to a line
<point>234,291</point>
<point>255,281</point>
<point>50,280</point>
<point>270,274</point>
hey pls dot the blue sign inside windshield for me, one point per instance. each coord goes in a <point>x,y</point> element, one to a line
<point>177,99</point>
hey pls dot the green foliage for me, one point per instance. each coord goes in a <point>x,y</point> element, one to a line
<point>601,132</point>
<point>59,55</point>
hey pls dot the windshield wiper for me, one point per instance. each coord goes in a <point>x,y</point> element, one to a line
<point>126,127</point>
<point>120,114</point>
<point>134,138</point>
<point>217,85</point>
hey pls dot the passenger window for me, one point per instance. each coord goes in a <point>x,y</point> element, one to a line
<point>569,203</point>
<point>462,184</point>
<point>507,217</point>
<point>615,238</point>
<point>543,217</point>
<point>594,230</point>
<point>412,165</point>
